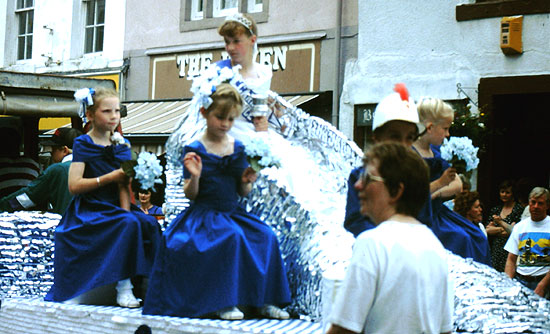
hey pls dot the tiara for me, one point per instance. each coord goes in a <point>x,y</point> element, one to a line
<point>238,17</point>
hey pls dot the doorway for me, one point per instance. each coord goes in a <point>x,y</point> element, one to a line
<point>518,133</point>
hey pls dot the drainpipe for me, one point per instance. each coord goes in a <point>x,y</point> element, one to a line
<point>336,91</point>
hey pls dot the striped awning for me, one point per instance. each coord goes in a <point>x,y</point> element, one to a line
<point>154,117</point>
<point>161,117</point>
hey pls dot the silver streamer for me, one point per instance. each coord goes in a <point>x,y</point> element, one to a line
<point>309,239</point>
<point>487,301</point>
<point>26,248</point>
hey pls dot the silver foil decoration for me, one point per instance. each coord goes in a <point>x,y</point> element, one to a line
<point>310,239</point>
<point>26,248</point>
<point>487,301</point>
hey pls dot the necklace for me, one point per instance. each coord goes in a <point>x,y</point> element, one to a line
<point>220,149</point>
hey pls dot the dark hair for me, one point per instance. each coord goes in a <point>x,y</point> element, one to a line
<point>381,130</point>
<point>464,202</point>
<point>507,184</point>
<point>400,165</point>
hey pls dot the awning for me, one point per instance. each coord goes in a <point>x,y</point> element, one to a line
<point>161,117</point>
<point>153,117</point>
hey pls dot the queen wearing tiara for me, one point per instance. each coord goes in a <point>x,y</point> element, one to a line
<point>300,173</point>
<point>314,157</point>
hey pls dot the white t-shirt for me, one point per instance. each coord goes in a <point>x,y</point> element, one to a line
<point>531,241</point>
<point>397,282</point>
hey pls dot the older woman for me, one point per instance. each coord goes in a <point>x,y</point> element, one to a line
<point>467,204</point>
<point>400,266</point>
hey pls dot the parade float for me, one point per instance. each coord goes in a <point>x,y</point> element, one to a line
<point>315,249</point>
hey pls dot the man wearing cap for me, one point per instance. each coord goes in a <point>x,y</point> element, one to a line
<point>395,120</point>
<point>51,187</point>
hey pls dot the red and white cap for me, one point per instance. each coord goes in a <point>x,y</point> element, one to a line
<point>398,106</point>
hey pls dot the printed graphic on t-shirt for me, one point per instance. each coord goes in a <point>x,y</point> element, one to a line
<point>534,249</point>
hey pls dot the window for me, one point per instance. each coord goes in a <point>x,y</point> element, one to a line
<point>205,14</point>
<point>497,8</point>
<point>225,7</point>
<point>95,26</point>
<point>25,17</point>
<point>254,6</point>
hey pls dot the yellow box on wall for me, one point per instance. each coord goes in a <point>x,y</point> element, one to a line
<point>510,34</point>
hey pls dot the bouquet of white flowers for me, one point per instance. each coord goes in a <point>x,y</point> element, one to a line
<point>461,153</point>
<point>146,170</point>
<point>260,154</point>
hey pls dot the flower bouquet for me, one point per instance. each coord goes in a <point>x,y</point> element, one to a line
<point>461,153</point>
<point>146,170</point>
<point>260,154</point>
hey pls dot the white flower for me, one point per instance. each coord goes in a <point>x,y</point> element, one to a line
<point>148,170</point>
<point>116,138</point>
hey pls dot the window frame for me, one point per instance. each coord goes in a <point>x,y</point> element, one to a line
<point>26,13</point>
<point>191,19</point>
<point>485,9</point>
<point>95,26</point>
<point>217,11</point>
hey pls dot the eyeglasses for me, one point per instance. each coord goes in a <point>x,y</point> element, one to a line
<point>367,178</point>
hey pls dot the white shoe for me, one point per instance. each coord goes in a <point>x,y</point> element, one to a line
<point>273,312</point>
<point>230,313</point>
<point>126,298</point>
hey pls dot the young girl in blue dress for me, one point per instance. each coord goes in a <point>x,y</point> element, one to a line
<point>214,256</point>
<point>101,239</point>
<point>455,232</point>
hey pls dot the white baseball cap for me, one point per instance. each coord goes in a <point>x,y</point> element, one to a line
<point>398,106</point>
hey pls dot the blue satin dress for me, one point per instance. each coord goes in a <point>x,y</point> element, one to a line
<point>455,232</point>
<point>97,242</point>
<point>214,254</point>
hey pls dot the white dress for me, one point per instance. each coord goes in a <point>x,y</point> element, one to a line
<point>300,173</point>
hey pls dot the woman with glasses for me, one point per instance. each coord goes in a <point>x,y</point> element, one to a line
<point>399,267</point>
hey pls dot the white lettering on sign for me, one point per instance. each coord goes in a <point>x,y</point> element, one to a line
<point>280,58</point>
<point>191,65</point>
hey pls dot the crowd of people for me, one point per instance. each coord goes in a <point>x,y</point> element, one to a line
<point>217,259</point>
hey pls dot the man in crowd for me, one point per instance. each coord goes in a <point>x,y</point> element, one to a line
<point>530,240</point>
<point>400,267</point>
<point>51,187</point>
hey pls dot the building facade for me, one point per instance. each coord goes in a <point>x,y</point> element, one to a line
<point>169,42</point>
<point>82,38</point>
<point>456,50</point>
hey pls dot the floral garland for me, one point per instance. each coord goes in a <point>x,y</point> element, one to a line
<point>461,153</point>
<point>205,85</point>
